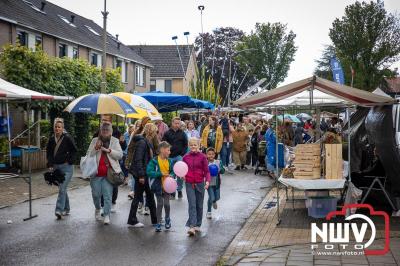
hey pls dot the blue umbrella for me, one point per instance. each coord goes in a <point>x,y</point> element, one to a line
<point>100,104</point>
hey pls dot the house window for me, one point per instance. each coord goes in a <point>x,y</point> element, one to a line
<point>140,76</point>
<point>92,30</point>
<point>94,59</point>
<point>75,52</point>
<point>125,73</point>
<point>62,50</point>
<point>168,85</point>
<point>22,38</point>
<point>153,85</point>
<point>67,21</point>
<point>118,63</point>
<point>124,69</point>
<point>38,41</point>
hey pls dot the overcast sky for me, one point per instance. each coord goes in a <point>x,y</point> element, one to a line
<point>155,22</point>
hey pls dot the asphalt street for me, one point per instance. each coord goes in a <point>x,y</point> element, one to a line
<point>80,240</point>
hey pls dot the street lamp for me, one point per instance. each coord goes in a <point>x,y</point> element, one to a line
<point>201,8</point>
<point>186,33</point>
<point>104,57</point>
<point>174,38</point>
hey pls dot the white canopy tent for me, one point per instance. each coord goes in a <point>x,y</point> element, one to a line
<point>314,92</point>
<point>10,92</point>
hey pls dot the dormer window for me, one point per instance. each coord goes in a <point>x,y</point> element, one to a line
<point>34,7</point>
<point>67,21</point>
<point>92,30</point>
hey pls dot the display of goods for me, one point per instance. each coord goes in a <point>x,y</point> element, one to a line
<point>307,161</point>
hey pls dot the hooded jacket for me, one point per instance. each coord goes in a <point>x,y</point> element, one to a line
<point>198,168</point>
<point>154,173</point>
<point>141,156</point>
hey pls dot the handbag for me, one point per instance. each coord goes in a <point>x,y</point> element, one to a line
<point>113,177</point>
<point>88,166</point>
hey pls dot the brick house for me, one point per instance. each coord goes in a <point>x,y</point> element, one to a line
<point>62,33</point>
<point>167,73</point>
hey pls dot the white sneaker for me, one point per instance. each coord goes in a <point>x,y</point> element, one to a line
<point>146,211</point>
<point>107,220</point>
<point>138,225</point>
<point>209,216</point>
<point>97,215</point>
<point>191,232</point>
<point>113,210</point>
<point>215,205</point>
<point>58,215</point>
<point>196,228</point>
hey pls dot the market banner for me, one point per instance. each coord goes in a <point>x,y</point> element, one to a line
<point>337,71</point>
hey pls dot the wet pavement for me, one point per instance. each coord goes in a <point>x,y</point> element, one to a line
<point>80,240</point>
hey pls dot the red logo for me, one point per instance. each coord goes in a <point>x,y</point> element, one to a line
<point>372,212</point>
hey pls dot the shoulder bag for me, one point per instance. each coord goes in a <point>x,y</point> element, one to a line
<point>116,179</point>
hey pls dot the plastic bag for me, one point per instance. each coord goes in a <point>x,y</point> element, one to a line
<point>88,166</point>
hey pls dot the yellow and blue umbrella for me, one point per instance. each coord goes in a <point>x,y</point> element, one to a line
<point>100,104</point>
<point>141,105</point>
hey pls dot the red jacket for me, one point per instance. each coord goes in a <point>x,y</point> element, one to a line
<point>198,168</point>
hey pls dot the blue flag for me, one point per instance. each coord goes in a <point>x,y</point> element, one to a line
<point>337,71</point>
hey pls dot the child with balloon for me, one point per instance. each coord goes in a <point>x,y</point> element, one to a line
<point>197,181</point>
<point>215,168</point>
<point>160,172</point>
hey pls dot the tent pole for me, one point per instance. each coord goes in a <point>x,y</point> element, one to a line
<point>9,133</point>
<point>318,125</point>
<point>29,164</point>
<point>349,142</point>
<point>277,165</point>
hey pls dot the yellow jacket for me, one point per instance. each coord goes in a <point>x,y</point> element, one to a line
<point>219,138</point>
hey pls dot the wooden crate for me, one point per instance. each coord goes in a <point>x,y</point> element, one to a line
<point>307,161</point>
<point>333,161</point>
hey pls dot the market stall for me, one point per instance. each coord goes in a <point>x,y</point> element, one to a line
<point>314,93</point>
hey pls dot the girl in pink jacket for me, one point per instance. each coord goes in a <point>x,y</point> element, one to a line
<point>197,181</point>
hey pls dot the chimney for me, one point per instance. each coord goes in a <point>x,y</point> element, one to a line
<point>116,36</point>
<point>118,45</point>
<point>72,19</point>
<point>43,5</point>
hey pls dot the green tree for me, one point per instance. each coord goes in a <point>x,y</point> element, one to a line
<point>367,38</point>
<point>205,89</point>
<point>218,48</point>
<point>269,49</point>
<point>57,76</point>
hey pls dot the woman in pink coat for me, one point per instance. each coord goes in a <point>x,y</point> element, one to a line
<point>197,181</point>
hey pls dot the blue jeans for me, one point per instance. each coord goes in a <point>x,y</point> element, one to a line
<point>226,153</point>
<point>101,187</point>
<point>195,196</point>
<point>63,200</point>
<point>213,196</point>
<point>179,181</point>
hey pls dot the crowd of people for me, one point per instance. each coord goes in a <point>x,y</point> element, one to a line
<point>146,154</point>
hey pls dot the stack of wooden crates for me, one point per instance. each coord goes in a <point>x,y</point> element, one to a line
<point>307,161</point>
<point>333,161</point>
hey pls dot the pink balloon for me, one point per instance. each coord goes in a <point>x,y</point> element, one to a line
<point>180,169</point>
<point>170,185</point>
